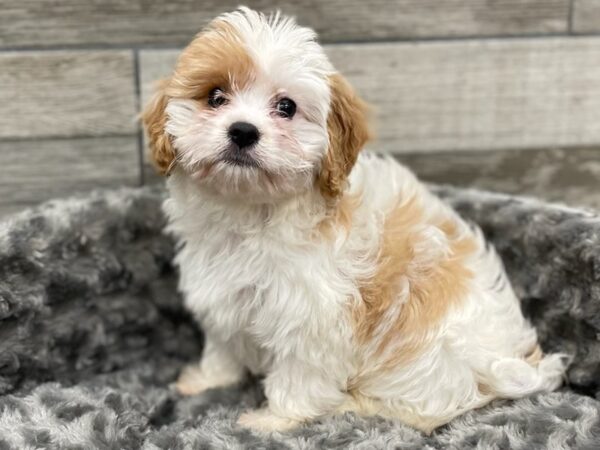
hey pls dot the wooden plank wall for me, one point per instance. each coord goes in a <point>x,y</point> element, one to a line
<point>502,95</point>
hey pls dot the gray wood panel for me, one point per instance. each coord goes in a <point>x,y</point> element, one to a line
<point>586,16</point>
<point>66,93</point>
<point>465,95</point>
<point>35,171</point>
<point>472,95</point>
<point>570,176</point>
<point>144,22</point>
<point>154,65</point>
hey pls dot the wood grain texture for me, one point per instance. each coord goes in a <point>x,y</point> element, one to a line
<point>35,171</point>
<point>465,95</point>
<point>586,16</point>
<point>154,65</point>
<point>143,22</point>
<point>570,176</point>
<point>474,95</point>
<point>66,93</point>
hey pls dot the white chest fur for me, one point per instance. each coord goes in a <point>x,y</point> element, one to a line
<point>260,279</point>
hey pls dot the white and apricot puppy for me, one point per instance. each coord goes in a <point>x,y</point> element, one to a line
<point>333,273</point>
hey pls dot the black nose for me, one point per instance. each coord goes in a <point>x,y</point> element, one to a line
<point>243,134</point>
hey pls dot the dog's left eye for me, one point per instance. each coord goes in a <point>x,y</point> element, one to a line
<point>286,107</point>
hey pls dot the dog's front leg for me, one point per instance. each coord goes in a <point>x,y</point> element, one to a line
<point>217,368</point>
<point>297,391</point>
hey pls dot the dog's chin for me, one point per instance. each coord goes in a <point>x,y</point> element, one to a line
<point>243,178</point>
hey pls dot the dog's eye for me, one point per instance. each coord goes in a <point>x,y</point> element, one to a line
<point>286,108</point>
<point>216,98</point>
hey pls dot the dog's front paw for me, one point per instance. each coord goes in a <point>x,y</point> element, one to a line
<point>265,421</point>
<point>193,381</point>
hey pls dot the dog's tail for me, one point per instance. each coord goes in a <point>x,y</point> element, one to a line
<point>517,377</point>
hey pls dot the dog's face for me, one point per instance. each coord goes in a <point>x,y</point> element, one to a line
<point>255,110</point>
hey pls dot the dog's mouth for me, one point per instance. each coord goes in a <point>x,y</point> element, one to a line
<point>240,158</point>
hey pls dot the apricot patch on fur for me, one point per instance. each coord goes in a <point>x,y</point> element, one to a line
<point>421,289</point>
<point>348,129</point>
<point>216,58</point>
<point>339,216</point>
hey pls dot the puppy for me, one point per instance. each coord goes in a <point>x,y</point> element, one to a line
<point>333,273</point>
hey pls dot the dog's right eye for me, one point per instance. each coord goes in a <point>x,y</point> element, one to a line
<point>216,98</point>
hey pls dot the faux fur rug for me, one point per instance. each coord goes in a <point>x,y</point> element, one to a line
<point>92,333</point>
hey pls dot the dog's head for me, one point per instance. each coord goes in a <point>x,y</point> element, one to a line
<point>255,110</point>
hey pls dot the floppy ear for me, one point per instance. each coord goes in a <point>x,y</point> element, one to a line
<point>154,118</point>
<point>348,133</point>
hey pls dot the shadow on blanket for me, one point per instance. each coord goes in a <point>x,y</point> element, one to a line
<point>92,332</point>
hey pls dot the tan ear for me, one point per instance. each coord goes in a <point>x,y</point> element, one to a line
<point>154,118</point>
<point>348,133</point>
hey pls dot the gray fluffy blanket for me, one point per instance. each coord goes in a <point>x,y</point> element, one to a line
<point>92,333</point>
